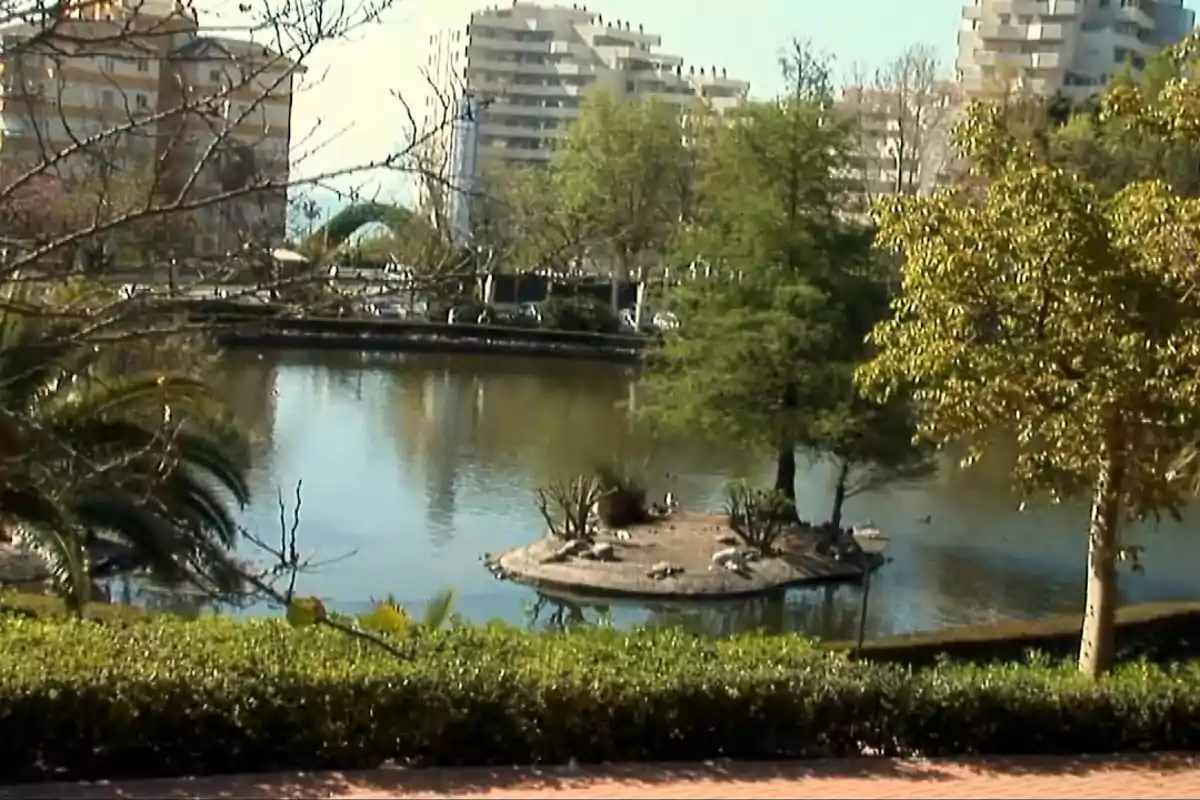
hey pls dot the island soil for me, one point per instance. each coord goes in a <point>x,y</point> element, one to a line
<point>685,540</point>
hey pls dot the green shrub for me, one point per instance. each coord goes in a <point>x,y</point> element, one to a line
<point>46,606</point>
<point>1157,632</point>
<point>83,701</point>
<point>580,313</point>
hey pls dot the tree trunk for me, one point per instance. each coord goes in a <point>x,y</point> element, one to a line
<point>1096,645</point>
<point>785,470</point>
<point>839,493</point>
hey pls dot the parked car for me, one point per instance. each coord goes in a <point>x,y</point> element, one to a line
<point>390,310</point>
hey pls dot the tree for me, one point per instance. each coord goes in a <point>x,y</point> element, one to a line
<point>734,370</point>
<point>902,116</point>
<point>1043,307</point>
<point>615,177</point>
<point>516,215</point>
<point>767,191</point>
<point>765,350</point>
<point>1112,153</point>
<point>871,444</point>
<point>115,458</point>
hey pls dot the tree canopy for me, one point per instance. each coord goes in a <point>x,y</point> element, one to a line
<point>1049,307</point>
<point>766,349</point>
<point>612,195</point>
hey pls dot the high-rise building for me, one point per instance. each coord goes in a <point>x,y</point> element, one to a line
<point>1068,46</point>
<point>137,86</point>
<point>513,78</point>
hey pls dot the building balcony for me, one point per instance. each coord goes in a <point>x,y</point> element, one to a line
<point>1045,32</point>
<point>506,130</point>
<point>508,109</point>
<point>482,62</point>
<point>1047,61</point>
<point>992,58</point>
<point>1034,8</point>
<point>499,153</point>
<point>994,31</point>
<point>479,42</point>
<point>499,88</point>
<point>1131,11</point>
<point>639,39</point>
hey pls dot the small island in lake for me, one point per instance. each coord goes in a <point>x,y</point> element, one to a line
<point>603,540</point>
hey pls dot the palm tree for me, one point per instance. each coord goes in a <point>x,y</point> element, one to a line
<point>104,469</point>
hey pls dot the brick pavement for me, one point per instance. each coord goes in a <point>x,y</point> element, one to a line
<point>1149,776</point>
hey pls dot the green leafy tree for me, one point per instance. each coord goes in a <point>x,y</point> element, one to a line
<point>1113,151</point>
<point>113,458</point>
<point>615,178</point>
<point>1046,308</point>
<point>518,216</point>
<point>734,370</point>
<point>765,351</point>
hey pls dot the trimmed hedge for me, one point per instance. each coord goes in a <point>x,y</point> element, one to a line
<point>45,606</point>
<point>80,700</point>
<point>1157,632</point>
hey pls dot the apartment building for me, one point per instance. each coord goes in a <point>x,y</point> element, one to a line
<point>137,87</point>
<point>1068,46</point>
<point>513,78</point>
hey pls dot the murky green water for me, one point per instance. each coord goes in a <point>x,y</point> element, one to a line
<point>413,466</point>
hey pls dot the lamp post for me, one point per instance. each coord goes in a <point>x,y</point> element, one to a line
<point>872,543</point>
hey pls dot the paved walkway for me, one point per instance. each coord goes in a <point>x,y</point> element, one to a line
<point>1154,776</point>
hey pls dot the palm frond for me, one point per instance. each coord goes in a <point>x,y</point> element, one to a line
<point>440,609</point>
<point>153,542</point>
<point>197,508</point>
<point>66,560</point>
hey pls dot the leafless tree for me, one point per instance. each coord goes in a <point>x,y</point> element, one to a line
<point>903,113</point>
<point>138,134</point>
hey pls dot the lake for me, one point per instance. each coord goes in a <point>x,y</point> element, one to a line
<point>414,466</point>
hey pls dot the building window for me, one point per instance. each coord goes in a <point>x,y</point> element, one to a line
<point>143,65</point>
<point>214,75</point>
<point>143,102</point>
<point>106,100</point>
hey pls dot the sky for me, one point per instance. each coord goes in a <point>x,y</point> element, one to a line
<point>354,86</point>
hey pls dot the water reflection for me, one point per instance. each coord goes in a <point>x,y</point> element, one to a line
<point>831,611</point>
<point>419,464</point>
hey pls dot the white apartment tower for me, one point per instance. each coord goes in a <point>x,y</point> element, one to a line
<point>1072,46</point>
<point>515,76</point>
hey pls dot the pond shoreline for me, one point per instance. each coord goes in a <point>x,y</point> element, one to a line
<point>383,343</point>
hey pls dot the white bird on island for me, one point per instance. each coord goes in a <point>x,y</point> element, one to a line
<point>670,502</point>
<point>869,531</point>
